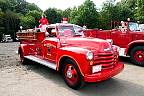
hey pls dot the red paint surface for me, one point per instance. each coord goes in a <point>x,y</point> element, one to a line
<point>53,49</point>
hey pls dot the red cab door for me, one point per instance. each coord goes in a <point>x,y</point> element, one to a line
<point>50,49</point>
<point>120,38</point>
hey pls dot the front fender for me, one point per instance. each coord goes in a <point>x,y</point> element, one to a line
<point>134,44</point>
<point>76,54</point>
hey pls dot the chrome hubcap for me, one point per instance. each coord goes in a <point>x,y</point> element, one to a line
<point>69,74</point>
<point>140,56</point>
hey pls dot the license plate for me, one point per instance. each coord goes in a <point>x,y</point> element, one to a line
<point>96,68</point>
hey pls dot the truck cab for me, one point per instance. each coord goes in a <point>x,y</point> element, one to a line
<point>128,37</point>
<point>77,58</point>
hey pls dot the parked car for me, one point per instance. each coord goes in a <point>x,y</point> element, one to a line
<point>6,38</point>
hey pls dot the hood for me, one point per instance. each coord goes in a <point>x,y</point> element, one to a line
<point>90,43</point>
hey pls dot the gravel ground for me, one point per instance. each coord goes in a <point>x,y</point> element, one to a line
<point>37,80</point>
<point>8,55</point>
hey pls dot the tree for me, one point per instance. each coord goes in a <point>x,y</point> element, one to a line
<point>4,5</point>
<point>21,7</point>
<point>11,21</point>
<point>73,16</point>
<point>16,12</point>
<point>53,15</point>
<point>126,9</point>
<point>109,13</point>
<point>2,28</point>
<point>36,15</point>
<point>66,13</point>
<point>140,11</point>
<point>88,15</point>
<point>27,22</point>
<point>33,7</point>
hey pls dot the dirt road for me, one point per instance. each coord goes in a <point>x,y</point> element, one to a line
<point>37,80</point>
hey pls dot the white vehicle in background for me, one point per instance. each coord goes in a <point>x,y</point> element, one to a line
<point>6,38</point>
<point>141,27</point>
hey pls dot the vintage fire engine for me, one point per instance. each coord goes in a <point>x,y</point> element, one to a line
<point>128,37</point>
<point>79,59</point>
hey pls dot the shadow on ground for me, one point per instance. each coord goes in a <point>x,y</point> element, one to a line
<point>112,87</point>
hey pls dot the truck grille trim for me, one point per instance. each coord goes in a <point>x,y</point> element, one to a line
<point>107,60</point>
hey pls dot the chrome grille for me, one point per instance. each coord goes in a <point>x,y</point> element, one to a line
<point>107,60</point>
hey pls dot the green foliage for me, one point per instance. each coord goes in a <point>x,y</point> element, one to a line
<point>33,7</point>
<point>2,29</point>
<point>87,15</point>
<point>53,15</point>
<point>11,22</point>
<point>126,9</point>
<point>73,16</point>
<point>66,13</point>
<point>27,22</point>
<point>36,15</point>
<point>21,6</point>
<point>109,13</point>
<point>120,11</point>
<point>4,5</point>
<point>14,13</point>
<point>140,11</point>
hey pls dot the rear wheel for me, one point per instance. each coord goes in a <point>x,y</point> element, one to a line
<point>72,75</point>
<point>137,55</point>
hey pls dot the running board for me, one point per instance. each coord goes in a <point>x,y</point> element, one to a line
<point>41,61</point>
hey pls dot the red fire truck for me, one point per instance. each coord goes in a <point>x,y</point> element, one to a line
<point>128,37</point>
<point>79,59</point>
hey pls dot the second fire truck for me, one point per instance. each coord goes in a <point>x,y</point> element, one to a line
<point>128,37</point>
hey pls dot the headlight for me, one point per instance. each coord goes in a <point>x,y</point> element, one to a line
<point>89,55</point>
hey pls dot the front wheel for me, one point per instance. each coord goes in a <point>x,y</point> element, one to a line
<point>72,75</point>
<point>137,55</point>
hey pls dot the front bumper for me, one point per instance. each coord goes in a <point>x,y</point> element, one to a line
<point>104,75</point>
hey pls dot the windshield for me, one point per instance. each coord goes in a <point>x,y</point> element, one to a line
<point>62,28</point>
<point>133,26</point>
<point>75,29</point>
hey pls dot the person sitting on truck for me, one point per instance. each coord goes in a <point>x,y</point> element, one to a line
<point>43,23</point>
<point>43,20</point>
<point>123,26</point>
